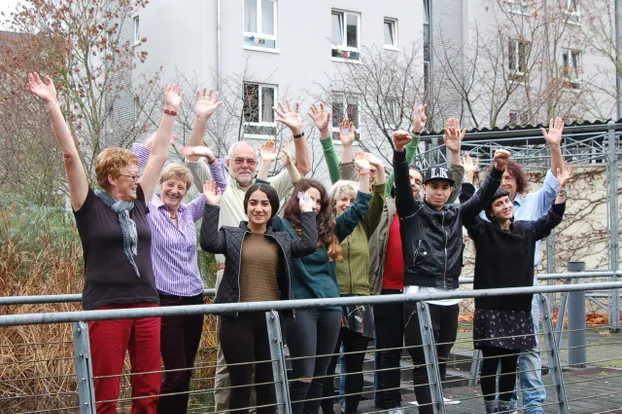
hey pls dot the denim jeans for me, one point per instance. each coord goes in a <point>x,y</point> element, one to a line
<point>530,370</point>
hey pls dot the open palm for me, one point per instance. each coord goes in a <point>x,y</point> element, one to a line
<point>206,103</point>
<point>45,91</point>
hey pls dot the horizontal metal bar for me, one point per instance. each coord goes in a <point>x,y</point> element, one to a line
<point>97,315</point>
<point>77,297</point>
<point>68,298</point>
<point>556,276</point>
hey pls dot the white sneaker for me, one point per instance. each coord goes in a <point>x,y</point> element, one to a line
<point>449,401</point>
<point>396,411</point>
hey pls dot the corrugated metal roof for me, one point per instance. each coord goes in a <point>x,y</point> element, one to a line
<point>520,131</point>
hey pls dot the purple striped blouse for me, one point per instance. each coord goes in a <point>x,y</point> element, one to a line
<point>174,248</point>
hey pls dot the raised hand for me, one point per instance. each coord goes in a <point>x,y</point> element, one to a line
<point>565,175</point>
<point>502,158</point>
<point>212,194</point>
<point>400,140</point>
<point>285,154</point>
<point>375,161</point>
<point>206,103</point>
<point>173,96</point>
<point>361,161</point>
<point>289,117</point>
<point>305,202</point>
<point>471,166</point>
<point>347,133</point>
<point>45,91</point>
<point>268,153</point>
<point>198,151</point>
<point>554,136</point>
<point>453,135</point>
<point>419,118</point>
<point>321,117</point>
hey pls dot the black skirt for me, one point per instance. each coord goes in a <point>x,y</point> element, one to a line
<point>503,329</point>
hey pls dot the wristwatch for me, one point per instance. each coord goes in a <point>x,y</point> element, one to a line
<point>302,134</point>
<point>561,192</point>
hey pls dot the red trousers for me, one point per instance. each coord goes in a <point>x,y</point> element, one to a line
<point>110,340</point>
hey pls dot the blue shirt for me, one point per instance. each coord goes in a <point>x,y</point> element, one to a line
<point>534,205</point>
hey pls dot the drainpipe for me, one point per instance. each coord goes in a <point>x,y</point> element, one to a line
<point>218,62</point>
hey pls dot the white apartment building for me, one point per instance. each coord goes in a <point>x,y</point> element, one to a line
<point>291,48</point>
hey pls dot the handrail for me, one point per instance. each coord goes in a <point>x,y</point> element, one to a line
<point>63,317</point>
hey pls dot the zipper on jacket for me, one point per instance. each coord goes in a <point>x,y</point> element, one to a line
<point>445,232</point>
<point>240,267</point>
<point>416,253</point>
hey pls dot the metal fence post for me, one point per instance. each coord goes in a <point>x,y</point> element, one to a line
<point>612,168</point>
<point>84,369</point>
<point>279,369</point>
<point>431,359</point>
<point>552,349</point>
<point>577,351</point>
<point>476,366</point>
<point>550,265</point>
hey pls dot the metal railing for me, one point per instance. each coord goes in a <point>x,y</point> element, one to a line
<point>68,363</point>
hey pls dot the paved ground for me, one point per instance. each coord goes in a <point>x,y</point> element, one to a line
<point>596,388</point>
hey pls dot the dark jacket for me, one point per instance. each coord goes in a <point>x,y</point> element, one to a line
<point>432,239</point>
<point>505,258</point>
<point>228,241</point>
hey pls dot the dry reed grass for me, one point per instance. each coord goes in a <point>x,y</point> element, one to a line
<point>40,254</point>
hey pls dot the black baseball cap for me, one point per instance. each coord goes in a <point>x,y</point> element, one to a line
<point>438,173</point>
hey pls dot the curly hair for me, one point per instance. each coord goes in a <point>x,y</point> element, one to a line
<point>110,162</point>
<point>516,170</point>
<point>327,236</point>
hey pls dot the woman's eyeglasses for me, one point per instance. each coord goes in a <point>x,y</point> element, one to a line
<point>134,177</point>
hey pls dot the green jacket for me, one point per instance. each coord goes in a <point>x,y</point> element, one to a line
<point>353,269</point>
<point>332,161</point>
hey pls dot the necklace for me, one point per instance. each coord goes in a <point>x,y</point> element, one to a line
<point>173,217</point>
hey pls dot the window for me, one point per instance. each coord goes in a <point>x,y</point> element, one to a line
<point>571,61</point>
<point>571,8</point>
<point>136,30</point>
<point>390,33</point>
<point>518,118</point>
<point>517,6</point>
<point>260,23</point>
<point>344,106</point>
<point>345,35</point>
<point>258,112</point>
<point>518,56</point>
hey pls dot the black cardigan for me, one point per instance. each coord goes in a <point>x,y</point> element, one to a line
<point>505,258</point>
<point>228,241</point>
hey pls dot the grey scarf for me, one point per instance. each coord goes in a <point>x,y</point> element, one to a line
<point>128,226</point>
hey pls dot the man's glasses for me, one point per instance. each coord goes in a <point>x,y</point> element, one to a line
<point>134,177</point>
<point>249,161</point>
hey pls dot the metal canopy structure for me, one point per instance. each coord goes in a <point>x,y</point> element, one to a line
<point>585,144</point>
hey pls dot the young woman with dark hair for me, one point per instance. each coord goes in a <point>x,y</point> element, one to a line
<point>313,334</point>
<point>257,269</point>
<point>503,325</point>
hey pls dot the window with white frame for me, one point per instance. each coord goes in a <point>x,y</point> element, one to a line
<point>518,56</point>
<point>571,62</point>
<point>517,6</point>
<point>518,118</point>
<point>136,21</point>
<point>345,35</point>
<point>258,113</point>
<point>344,106</point>
<point>260,23</point>
<point>390,33</point>
<point>571,8</point>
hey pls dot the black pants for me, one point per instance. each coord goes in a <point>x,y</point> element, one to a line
<point>244,340</point>
<point>445,327</point>
<point>389,334</point>
<point>310,336</point>
<point>354,345</point>
<point>493,356</point>
<point>179,341</point>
